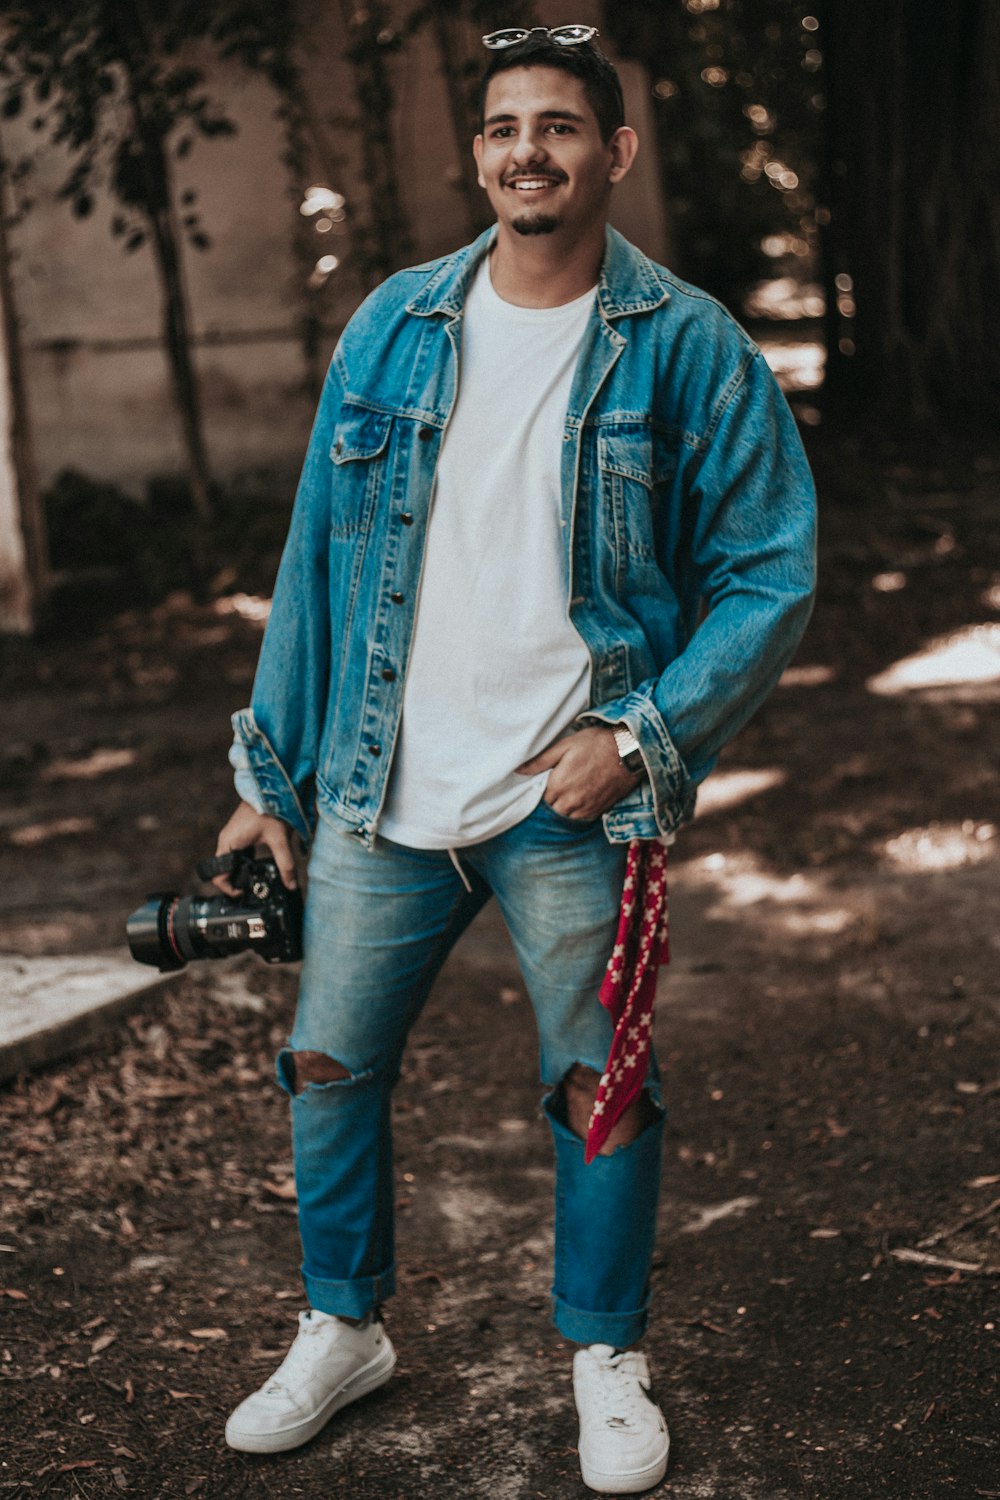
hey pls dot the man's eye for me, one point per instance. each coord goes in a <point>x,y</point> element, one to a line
<point>501,132</point>
<point>558,128</point>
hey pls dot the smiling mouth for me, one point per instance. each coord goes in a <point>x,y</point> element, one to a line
<point>532,184</point>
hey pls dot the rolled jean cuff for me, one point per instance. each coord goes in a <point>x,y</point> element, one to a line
<point>619,1329</point>
<point>349,1299</point>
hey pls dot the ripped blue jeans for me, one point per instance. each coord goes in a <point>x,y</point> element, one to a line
<point>379,924</point>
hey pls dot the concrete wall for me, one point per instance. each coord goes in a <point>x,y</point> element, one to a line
<point>90,314</point>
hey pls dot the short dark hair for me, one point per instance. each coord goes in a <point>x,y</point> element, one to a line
<point>585,61</point>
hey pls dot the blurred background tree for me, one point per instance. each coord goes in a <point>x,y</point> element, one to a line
<point>912,179</point>
<point>106,80</point>
<point>738,113</point>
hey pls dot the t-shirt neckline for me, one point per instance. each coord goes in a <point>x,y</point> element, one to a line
<point>533,314</point>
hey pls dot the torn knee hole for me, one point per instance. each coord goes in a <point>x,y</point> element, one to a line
<point>580,1085</point>
<point>315,1067</point>
<point>582,1080</point>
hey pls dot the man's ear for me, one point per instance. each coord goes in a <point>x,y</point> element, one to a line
<point>477,151</point>
<point>623,146</point>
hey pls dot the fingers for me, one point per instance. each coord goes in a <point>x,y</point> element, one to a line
<point>280,845</point>
<point>246,829</point>
<point>549,757</point>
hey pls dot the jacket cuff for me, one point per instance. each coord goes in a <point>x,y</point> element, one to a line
<point>243,778</point>
<point>673,792</point>
<point>264,775</point>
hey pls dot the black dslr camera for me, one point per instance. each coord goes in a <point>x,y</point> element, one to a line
<point>170,930</point>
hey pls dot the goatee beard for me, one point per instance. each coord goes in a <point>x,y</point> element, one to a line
<point>536,224</point>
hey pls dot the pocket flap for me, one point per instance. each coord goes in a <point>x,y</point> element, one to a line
<point>360,434</point>
<point>632,452</point>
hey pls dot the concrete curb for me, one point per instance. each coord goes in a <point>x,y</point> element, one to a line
<point>53,1007</point>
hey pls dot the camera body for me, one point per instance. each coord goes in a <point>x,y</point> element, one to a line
<point>170,930</point>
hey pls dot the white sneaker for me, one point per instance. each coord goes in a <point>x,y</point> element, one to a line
<point>624,1442</point>
<point>330,1364</point>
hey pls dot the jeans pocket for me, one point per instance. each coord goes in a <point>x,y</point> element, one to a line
<point>578,825</point>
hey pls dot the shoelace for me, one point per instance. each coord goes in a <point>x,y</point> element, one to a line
<point>620,1395</point>
<point>298,1361</point>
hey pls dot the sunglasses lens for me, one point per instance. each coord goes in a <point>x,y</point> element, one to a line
<point>508,38</point>
<point>571,36</point>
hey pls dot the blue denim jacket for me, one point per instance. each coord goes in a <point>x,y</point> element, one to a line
<point>688,513</point>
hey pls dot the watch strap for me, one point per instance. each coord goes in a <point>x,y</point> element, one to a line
<point>629,752</point>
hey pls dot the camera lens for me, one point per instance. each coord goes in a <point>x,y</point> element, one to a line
<point>151,934</point>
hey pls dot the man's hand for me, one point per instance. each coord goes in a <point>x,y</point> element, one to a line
<point>587,776</point>
<point>247,828</point>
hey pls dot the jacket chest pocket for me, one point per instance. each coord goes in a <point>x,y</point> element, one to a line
<point>635,466</point>
<point>360,455</point>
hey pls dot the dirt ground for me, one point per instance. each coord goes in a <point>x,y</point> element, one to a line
<point>828,1027</point>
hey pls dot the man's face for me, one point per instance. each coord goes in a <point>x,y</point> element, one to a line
<point>540,156</point>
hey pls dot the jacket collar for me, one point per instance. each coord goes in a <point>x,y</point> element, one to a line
<point>629,282</point>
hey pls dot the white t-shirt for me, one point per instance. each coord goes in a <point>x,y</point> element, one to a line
<point>496,670</point>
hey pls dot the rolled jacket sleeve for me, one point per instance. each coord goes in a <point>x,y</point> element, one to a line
<point>277,738</point>
<point>750,493</point>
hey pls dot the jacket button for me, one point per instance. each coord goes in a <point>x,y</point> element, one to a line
<point>396,598</point>
<point>425,434</point>
<point>338,446</point>
<point>374,749</point>
<point>406,517</point>
<point>388,675</point>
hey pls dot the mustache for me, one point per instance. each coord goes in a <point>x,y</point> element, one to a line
<point>548,176</point>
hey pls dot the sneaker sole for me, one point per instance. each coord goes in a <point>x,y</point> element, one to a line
<point>367,1379</point>
<point>626,1484</point>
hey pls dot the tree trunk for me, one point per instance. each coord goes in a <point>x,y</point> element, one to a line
<point>390,238</point>
<point>176,318</point>
<point>914,231</point>
<point>24,559</point>
<point>449,33</point>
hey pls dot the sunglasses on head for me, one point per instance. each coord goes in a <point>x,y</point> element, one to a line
<point>563,36</point>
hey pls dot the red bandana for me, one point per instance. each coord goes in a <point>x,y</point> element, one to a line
<point>629,986</point>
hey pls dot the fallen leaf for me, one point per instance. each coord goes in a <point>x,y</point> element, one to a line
<point>185,1395</point>
<point>825,1234</point>
<point>981,1182</point>
<point>102,1343</point>
<point>284,1190</point>
<point>703,1323</point>
<point>50,1100</point>
<point>13,1294</point>
<point>79,1463</point>
<point>208,1333</point>
<point>129,1398</point>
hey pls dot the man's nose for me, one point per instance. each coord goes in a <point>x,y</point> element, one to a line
<point>529,149</point>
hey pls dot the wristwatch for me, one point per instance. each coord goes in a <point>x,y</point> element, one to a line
<point>628,749</point>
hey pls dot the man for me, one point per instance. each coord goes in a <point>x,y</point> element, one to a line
<point>537,463</point>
